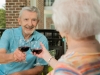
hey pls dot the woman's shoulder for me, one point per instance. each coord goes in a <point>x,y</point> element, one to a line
<point>84,62</point>
<point>89,63</point>
<point>65,69</point>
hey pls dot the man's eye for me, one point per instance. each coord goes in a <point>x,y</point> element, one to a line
<point>26,19</point>
<point>34,20</point>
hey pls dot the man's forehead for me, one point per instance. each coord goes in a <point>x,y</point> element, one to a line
<point>29,14</point>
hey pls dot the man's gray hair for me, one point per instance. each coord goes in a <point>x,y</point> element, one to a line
<point>31,9</point>
<point>78,18</point>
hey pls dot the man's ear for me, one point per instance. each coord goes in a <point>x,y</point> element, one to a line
<point>19,21</point>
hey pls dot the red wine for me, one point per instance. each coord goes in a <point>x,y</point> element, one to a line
<point>23,48</point>
<point>37,51</point>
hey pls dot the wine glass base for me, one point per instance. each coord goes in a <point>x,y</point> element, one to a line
<point>24,61</point>
<point>37,64</point>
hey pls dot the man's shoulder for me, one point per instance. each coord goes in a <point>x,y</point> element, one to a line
<point>7,31</point>
<point>16,29</point>
<point>11,29</point>
<point>39,34</point>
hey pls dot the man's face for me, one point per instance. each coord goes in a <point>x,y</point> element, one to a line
<point>28,21</point>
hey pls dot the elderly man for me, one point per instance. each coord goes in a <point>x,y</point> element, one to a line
<point>9,51</point>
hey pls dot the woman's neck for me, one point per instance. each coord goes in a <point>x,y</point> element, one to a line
<point>84,45</point>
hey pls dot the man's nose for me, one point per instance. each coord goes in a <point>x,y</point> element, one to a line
<point>30,23</point>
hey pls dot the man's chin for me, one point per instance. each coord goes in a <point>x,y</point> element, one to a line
<point>29,32</point>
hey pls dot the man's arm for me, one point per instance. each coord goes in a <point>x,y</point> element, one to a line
<point>17,56</point>
<point>5,58</point>
<point>34,71</point>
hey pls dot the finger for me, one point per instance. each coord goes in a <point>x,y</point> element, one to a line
<point>42,45</point>
<point>20,60</point>
<point>15,58</point>
<point>35,53</point>
<point>23,57</point>
<point>19,55</point>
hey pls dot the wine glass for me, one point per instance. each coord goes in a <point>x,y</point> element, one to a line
<point>23,46</point>
<point>36,48</point>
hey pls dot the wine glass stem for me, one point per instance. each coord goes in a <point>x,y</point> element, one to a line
<point>37,62</point>
<point>25,59</point>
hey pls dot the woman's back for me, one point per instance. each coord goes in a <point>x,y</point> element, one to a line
<point>86,63</point>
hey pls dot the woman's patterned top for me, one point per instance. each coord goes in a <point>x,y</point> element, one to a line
<point>80,64</point>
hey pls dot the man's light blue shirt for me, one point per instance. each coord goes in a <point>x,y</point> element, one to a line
<point>9,41</point>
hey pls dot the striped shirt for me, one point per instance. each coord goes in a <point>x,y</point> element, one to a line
<point>78,64</point>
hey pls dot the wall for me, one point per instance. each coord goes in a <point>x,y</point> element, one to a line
<point>48,22</point>
<point>12,9</point>
<point>40,5</point>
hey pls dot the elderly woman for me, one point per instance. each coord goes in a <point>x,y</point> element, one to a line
<point>78,21</point>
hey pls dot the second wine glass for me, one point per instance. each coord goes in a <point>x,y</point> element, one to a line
<point>36,48</point>
<point>23,46</point>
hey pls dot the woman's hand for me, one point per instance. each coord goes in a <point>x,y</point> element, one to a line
<point>44,52</point>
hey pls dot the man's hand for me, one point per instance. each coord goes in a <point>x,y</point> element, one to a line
<point>19,56</point>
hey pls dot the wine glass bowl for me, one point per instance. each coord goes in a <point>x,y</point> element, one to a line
<point>23,46</point>
<point>36,48</point>
<point>37,51</point>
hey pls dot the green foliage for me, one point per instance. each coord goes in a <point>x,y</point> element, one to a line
<point>2,18</point>
<point>50,68</point>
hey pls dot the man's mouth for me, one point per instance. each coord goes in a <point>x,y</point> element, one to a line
<point>29,27</point>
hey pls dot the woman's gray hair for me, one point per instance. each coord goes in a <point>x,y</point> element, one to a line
<point>78,18</point>
<point>30,9</point>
